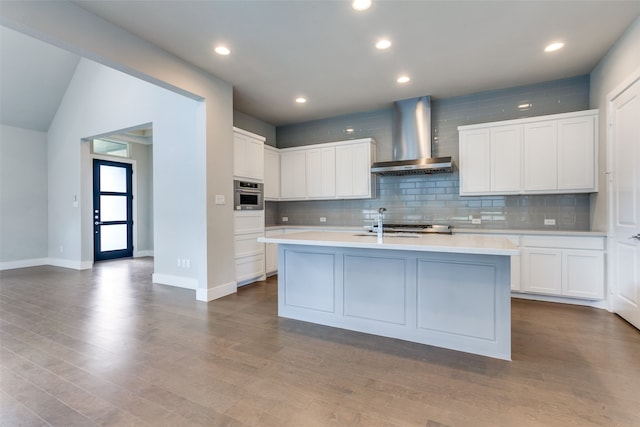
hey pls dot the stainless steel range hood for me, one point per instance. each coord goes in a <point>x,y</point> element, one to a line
<point>412,142</point>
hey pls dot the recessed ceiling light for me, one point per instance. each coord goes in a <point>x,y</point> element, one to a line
<point>403,79</point>
<point>383,44</point>
<point>554,46</point>
<point>524,106</point>
<point>222,50</point>
<point>360,5</point>
<point>301,100</point>
<point>349,131</point>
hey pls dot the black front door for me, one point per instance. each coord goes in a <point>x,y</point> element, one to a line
<point>112,210</point>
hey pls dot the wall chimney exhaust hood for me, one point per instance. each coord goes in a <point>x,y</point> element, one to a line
<point>412,142</point>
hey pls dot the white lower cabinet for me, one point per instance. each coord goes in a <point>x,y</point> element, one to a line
<point>249,253</point>
<point>563,266</point>
<point>271,253</point>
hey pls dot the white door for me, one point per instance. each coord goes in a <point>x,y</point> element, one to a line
<point>624,260</point>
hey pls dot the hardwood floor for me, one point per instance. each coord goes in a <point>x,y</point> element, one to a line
<point>108,347</point>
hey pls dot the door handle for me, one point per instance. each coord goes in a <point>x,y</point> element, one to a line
<point>637,236</point>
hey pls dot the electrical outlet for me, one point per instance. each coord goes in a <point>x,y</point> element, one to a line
<point>323,219</point>
<point>476,221</point>
<point>285,219</point>
<point>549,222</point>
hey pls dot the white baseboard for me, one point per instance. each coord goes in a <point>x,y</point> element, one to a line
<point>217,292</point>
<point>68,263</point>
<point>177,281</point>
<point>563,300</point>
<point>23,263</point>
<point>141,254</point>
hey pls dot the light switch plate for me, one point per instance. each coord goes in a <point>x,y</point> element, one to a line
<point>476,221</point>
<point>220,199</point>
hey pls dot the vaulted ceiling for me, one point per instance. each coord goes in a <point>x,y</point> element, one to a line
<point>324,50</point>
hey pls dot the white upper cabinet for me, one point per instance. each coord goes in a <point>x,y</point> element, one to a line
<point>577,153</point>
<point>475,162</point>
<point>353,170</point>
<point>538,155</point>
<point>335,170</point>
<point>321,173</point>
<point>541,166</point>
<point>491,160</point>
<point>271,173</point>
<point>293,175</point>
<point>248,155</point>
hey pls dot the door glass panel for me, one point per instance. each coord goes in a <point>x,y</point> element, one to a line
<point>113,208</point>
<point>113,178</point>
<point>113,237</point>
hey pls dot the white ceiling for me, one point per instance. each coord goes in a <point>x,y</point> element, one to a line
<point>324,50</point>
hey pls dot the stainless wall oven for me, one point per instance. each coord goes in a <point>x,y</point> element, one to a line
<point>248,196</point>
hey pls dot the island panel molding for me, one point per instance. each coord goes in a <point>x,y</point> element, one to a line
<point>445,291</point>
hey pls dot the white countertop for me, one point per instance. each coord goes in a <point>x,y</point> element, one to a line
<point>466,244</point>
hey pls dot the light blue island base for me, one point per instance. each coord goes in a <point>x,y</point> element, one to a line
<point>459,301</point>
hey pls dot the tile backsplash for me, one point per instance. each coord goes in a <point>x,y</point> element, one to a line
<point>435,198</point>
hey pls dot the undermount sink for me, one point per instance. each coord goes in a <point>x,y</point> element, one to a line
<point>410,235</point>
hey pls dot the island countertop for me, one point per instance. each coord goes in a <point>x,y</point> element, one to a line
<point>463,244</point>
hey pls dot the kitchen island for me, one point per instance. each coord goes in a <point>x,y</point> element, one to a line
<point>441,290</point>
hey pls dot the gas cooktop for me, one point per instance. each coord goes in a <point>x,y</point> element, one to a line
<point>414,228</point>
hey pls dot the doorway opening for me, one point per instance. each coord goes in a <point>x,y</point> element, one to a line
<point>112,210</point>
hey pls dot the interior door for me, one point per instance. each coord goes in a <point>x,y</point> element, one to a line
<point>625,203</point>
<point>112,210</point>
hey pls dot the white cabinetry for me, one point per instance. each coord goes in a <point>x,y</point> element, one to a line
<point>336,170</point>
<point>564,266</point>
<point>271,253</point>
<point>249,253</point>
<point>271,173</point>
<point>538,155</point>
<point>293,175</point>
<point>248,155</point>
<point>353,170</point>
<point>475,162</point>
<point>321,173</point>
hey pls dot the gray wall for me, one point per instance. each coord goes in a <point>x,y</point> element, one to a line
<point>23,195</point>
<point>251,124</point>
<point>436,198</point>
<point>143,155</point>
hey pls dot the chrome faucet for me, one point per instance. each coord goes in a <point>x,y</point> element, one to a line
<point>380,225</point>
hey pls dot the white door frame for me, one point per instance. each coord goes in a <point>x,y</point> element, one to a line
<point>626,83</point>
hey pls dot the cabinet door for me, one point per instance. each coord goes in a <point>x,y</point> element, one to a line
<point>576,154</point>
<point>540,157</point>
<point>255,159</point>
<point>240,167</point>
<point>475,162</point>
<point>361,170</point>
<point>506,159</point>
<point>293,175</point>
<point>271,174</point>
<point>542,271</point>
<point>271,258</point>
<point>320,173</point>
<point>353,171</point>
<point>248,157</point>
<point>583,274</point>
<point>344,171</point>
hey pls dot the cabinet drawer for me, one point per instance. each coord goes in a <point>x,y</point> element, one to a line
<point>249,222</point>
<point>250,267</point>
<point>563,242</point>
<point>247,244</point>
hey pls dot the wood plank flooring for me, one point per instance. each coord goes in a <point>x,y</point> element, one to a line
<point>108,347</point>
